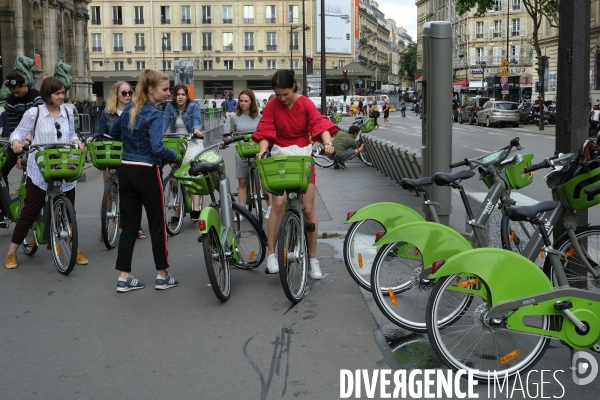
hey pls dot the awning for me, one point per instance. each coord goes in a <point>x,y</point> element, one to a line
<point>462,83</point>
<point>418,78</point>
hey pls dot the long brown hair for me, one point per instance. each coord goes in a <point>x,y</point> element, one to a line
<point>148,77</point>
<point>113,98</point>
<point>253,110</point>
<point>176,89</point>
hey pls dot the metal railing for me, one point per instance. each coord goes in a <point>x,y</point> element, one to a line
<point>393,160</point>
<point>212,124</point>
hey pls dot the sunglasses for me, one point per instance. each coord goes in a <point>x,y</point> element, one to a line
<point>58,132</point>
<point>125,93</point>
<point>11,82</point>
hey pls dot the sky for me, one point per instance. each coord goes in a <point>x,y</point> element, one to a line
<point>403,11</point>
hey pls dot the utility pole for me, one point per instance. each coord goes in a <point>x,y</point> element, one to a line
<point>323,66</point>
<point>304,84</point>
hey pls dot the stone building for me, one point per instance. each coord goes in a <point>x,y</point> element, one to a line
<point>48,31</point>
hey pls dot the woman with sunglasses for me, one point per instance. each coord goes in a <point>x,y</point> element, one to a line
<point>48,123</point>
<point>119,98</point>
<point>183,117</point>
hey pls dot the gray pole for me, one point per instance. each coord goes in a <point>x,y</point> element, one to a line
<point>291,49</point>
<point>304,84</point>
<point>164,39</point>
<point>323,61</point>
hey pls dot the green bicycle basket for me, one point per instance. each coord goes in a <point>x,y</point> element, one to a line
<point>514,173</point>
<point>572,192</point>
<point>57,164</point>
<point>369,125</point>
<point>194,184</point>
<point>177,144</point>
<point>247,148</point>
<point>3,156</point>
<point>337,118</point>
<point>106,154</point>
<point>285,173</point>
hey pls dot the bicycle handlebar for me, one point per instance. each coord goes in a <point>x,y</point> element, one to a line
<point>468,162</point>
<point>549,162</point>
<point>535,167</point>
<point>592,191</point>
<point>460,163</point>
<point>227,142</point>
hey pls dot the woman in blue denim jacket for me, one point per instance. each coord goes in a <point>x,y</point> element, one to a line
<point>183,117</point>
<point>139,128</point>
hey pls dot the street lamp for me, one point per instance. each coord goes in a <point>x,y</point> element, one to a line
<point>461,55</point>
<point>164,46</point>
<point>483,64</point>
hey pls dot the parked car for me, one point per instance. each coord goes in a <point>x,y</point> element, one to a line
<point>468,112</point>
<point>496,112</point>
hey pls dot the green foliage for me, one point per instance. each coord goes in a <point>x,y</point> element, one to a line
<point>408,61</point>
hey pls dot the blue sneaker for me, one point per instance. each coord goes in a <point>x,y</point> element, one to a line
<point>166,283</point>
<point>129,284</point>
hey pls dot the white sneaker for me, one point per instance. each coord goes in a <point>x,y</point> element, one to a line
<point>315,270</point>
<point>272,264</point>
<point>267,213</point>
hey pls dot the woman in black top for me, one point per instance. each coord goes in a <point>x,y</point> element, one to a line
<point>386,113</point>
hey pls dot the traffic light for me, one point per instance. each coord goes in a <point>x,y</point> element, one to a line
<point>541,64</point>
<point>345,72</point>
<point>309,65</point>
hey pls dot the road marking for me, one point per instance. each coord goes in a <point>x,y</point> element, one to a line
<point>476,149</point>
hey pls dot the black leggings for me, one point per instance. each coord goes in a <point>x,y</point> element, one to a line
<point>141,186</point>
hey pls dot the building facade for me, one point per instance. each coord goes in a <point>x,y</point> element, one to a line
<point>48,31</point>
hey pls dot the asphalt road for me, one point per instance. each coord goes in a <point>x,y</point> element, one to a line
<point>73,337</point>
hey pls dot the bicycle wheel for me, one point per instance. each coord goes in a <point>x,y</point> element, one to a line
<point>364,155</point>
<point>110,215</point>
<point>320,158</point>
<point>29,245</point>
<point>292,258</point>
<point>255,196</point>
<point>251,237</point>
<point>515,235</point>
<point>359,251</point>
<point>64,235</point>
<point>577,274</point>
<point>174,208</point>
<point>475,342</point>
<point>217,265</point>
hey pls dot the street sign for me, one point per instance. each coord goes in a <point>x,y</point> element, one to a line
<point>538,86</point>
<point>505,64</point>
<point>505,87</point>
<point>457,88</point>
<point>504,73</point>
<point>505,92</point>
<point>344,86</point>
<point>503,80</point>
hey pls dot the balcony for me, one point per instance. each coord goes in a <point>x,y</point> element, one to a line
<point>95,22</point>
<point>166,48</point>
<point>271,47</point>
<point>479,36</point>
<point>293,20</point>
<point>186,47</point>
<point>248,20</point>
<point>187,21</point>
<point>228,47</point>
<point>207,48</point>
<point>294,47</point>
<point>138,21</point>
<point>140,48</point>
<point>249,48</point>
<point>117,21</point>
<point>207,20</point>
<point>118,48</point>
<point>228,20</point>
<point>96,49</point>
<point>165,21</point>
<point>271,20</point>
<point>515,33</point>
<point>497,34</point>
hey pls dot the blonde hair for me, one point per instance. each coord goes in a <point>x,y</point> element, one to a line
<point>113,98</point>
<point>148,77</point>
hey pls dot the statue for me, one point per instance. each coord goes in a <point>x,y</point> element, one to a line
<point>61,71</point>
<point>24,65</point>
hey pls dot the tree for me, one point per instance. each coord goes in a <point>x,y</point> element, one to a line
<point>537,10</point>
<point>408,62</point>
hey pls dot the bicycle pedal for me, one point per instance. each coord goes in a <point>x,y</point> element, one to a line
<point>309,227</point>
<point>199,239</point>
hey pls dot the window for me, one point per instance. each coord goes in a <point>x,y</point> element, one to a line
<point>293,14</point>
<point>140,65</point>
<point>516,4</point>
<point>479,53</point>
<point>271,41</point>
<point>117,16</point>
<point>207,64</point>
<point>249,64</point>
<point>597,86</point>
<point>138,15</point>
<point>271,64</point>
<point>140,42</point>
<point>498,5</point>
<point>207,41</point>
<point>227,14</point>
<point>228,64</point>
<point>96,42</point>
<point>294,41</point>
<point>227,41</point>
<point>248,14</point>
<point>166,41</point>
<point>295,64</point>
<point>270,15</point>
<point>479,31</point>
<point>186,41</point>
<point>206,16</point>
<point>341,64</point>
<point>167,65</point>
<point>516,27</point>
<point>497,28</point>
<point>117,41</point>
<point>249,42</point>
<point>119,66</point>
<point>165,15</point>
<point>95,11</point>
<point>186,15</point>
<point>549,28</point>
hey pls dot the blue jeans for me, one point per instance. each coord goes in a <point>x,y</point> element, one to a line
<point>349,153</point>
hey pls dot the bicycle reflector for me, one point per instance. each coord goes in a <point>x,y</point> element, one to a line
<point>202,225</point>
<point>379,235</point>
<point>436,265</point>
<point>349,215</point>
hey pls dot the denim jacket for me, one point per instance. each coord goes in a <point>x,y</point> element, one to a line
<point>106,122</point>
<point>144,144</point>
<point>191,117</point>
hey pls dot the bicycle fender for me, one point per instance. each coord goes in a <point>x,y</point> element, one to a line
<point>387,214</point>
<point>434,241</point>
<point>507,274</point>
<point>212,218</point>
<point>14,206</point>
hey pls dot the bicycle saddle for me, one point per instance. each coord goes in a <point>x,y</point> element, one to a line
<point>202,167</point>
<point>415,184</point>
<point>524,213</point>
<point>445,178</point>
